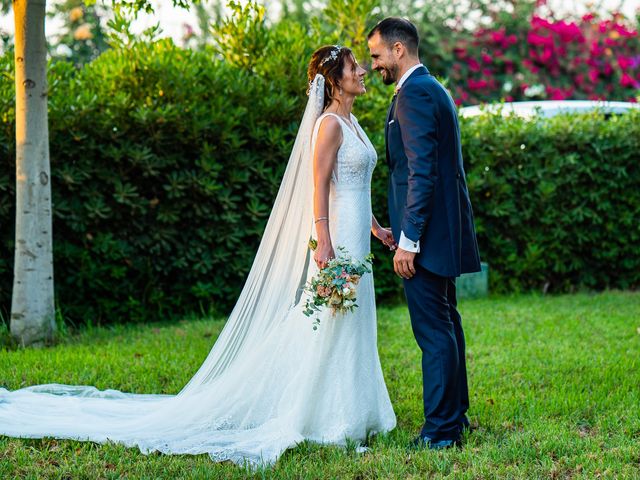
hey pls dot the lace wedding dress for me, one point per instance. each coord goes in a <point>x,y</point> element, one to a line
<point>270,381</point>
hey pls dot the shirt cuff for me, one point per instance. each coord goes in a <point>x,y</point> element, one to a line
<point>409,245</point>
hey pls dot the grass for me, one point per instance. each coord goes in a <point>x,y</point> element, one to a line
<point>554,380</point>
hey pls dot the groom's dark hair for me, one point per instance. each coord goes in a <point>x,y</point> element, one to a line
<point>396,29</point>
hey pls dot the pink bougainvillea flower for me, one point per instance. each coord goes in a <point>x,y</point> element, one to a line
<point>588,57</point>
<point>539,22</point>
<point>535,39</point>
<point>546,55</point>
<point>555,93</point>
<point>623,31</point>
<point>627,80</point>
<point>596,49</point>
<point>460,52</point>
<point>568,32</point>
<point>624,62</point>
<point>473,64</point>
<point>499,36</point>
<point>530,66</point>
<point>475,85</point>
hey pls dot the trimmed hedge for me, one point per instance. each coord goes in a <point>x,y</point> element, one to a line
<point>164,167</point>
<point>165,163</point>
<point>557,200</point>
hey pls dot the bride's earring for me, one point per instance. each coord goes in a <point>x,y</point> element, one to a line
<point>340,92</point>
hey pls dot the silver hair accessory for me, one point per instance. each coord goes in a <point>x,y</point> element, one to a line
<point>333,56</point>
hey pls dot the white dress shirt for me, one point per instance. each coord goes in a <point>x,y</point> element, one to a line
<point>406,75</point>
<point>404,243</point>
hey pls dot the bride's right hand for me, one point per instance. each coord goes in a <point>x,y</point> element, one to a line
<point>323,253</point>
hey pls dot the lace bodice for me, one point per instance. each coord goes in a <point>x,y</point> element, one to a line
<point>350,194</point>
<point>356,157</point>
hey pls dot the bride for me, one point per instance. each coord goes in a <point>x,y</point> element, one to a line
<point>270,381</point>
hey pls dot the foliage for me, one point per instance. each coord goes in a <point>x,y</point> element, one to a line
<point>160,192</point>
<point>556,200</point>
<point>349,22</point>
<point>444,25</point>
<point>553,385</point>
<point>589,58</point>
<point>160,200</point>
<point>509,50</point>
<point>208,12</point>
<point>141,5</point>
<point>81,37</point>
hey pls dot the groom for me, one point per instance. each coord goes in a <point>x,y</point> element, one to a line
<point>431,216</point>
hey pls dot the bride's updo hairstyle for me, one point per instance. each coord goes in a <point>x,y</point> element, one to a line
<point>329,61</point>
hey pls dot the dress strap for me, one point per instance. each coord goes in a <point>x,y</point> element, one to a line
<point>326,114</point>
<point>353,128</point>
<point>319,122</point>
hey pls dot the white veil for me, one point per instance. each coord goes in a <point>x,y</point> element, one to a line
<point>194,420</point>
<point>279,269</point>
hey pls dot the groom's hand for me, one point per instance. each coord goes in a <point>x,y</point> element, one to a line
<point>403,263</point>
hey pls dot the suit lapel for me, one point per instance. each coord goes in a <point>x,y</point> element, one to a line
<point>390,116</point>
<point>391,113</point>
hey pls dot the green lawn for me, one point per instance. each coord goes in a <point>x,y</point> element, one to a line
<point>555,393</point>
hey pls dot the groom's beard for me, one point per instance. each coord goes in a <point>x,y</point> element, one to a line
<point>389,75</point>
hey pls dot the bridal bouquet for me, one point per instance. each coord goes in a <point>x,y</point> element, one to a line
<point>335,285</point>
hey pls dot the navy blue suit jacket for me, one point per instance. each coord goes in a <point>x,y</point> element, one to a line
<point>428,196</point>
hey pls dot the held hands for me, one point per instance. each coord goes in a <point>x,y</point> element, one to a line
<point>323,253</point>
<point>403,263</point>
<point>386,237</point>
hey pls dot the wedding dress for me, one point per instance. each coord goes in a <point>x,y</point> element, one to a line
<point>270,381</point>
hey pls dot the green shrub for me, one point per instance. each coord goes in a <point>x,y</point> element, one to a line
<point>165,163</point>
<point>556,200</point>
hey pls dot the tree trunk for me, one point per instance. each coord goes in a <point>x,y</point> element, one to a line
<point>32,308</point>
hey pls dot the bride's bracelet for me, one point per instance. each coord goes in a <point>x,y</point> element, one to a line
<point>319,219</point>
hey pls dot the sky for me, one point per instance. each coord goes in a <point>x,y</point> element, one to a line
<point>172,19</point>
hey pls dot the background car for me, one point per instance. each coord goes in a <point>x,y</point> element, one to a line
<point>548,108</point>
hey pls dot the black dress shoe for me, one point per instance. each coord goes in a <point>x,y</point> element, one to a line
<point>466,429</point>
<point>421,442</point>
<point>464,424</point>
